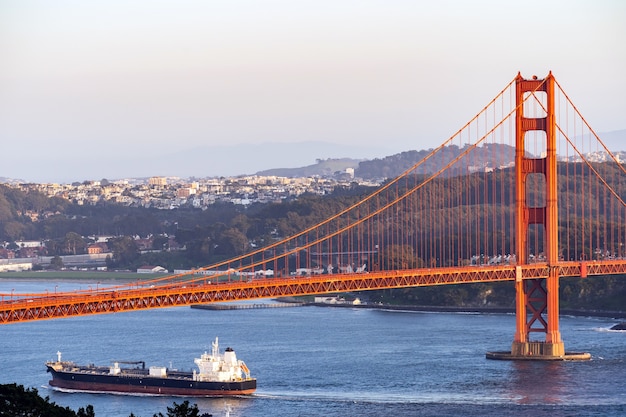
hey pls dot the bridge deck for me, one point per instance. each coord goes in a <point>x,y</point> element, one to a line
<point>118,299</point>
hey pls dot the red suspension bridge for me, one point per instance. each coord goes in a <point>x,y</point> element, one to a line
<point>540,208</point>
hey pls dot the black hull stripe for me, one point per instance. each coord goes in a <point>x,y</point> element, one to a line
<point>159,386</point>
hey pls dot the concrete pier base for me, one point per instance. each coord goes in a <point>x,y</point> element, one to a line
<point>538,351</point>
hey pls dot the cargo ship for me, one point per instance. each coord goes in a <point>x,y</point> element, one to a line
<point>217,375</point>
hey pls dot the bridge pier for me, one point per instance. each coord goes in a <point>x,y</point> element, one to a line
<point>539,351</point>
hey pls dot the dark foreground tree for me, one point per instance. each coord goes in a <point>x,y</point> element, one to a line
<point>183,410</point>
<point>17,401</point>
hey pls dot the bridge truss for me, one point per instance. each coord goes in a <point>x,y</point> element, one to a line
<point>30,307</point>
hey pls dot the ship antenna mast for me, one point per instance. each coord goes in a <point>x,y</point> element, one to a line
<point>216,349</point>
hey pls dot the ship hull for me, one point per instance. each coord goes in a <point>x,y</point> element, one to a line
<point>146,384</point>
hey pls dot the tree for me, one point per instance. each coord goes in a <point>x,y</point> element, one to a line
<point>124,250</point>
<point>181,410</point>
<point>200,250</point>
<point>160,242</point>
<point>233,242</point>
<point>88,412</point>
<point>56,226</point>
<point>17,401</point>
<point>74,244</point>
<point>400,257</point>
<point>14,230</point>
<point>241,223</point>
<point>6,212</point>
<point>56,263</point>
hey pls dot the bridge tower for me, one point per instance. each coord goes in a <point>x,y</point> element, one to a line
<point>537,300</point>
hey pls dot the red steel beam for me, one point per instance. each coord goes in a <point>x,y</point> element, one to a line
<point>103,300</point>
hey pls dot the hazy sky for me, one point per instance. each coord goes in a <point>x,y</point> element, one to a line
<point>103,89</point>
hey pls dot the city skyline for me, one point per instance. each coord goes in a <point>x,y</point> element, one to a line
<point>118,89</point>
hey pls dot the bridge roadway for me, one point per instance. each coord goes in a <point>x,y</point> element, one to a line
<point>30,307</point>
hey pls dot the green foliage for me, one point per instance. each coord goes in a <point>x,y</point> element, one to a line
<point>603,293</point>
<point>73,244</point>
<point>591,294</point>
<point>56,263</point>
<point>124,250</point>
<point>400,257</point>
<point>232,242</point>
<point>86,412</point>
<point>181,410</point>
<point>14,230</point>
<point>15,204</point>
<point>17,401</point>
<point>168,260</point>
<point>394,165</point>
<point>475,295</point>
<point>160,242</point>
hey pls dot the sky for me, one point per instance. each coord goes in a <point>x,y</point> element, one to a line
<point>113,89</point>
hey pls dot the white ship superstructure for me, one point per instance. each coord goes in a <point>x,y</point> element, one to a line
<point>218,367</point>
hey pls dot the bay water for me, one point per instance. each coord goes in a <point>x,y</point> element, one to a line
<point>323,361</point>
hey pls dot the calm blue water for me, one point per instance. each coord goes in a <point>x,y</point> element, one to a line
<point>313,361</point>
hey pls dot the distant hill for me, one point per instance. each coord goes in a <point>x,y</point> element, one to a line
<point>5,180</point>
<point>323,167</point>
<point>488,156</point>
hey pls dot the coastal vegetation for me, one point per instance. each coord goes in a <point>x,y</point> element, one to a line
<point>15,400</point>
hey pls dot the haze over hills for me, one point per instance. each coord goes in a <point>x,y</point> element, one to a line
<point>201,162</point>
<point>286,159</point>
<point>615,140</point>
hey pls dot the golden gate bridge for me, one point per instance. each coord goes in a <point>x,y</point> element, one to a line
<point>540,208</point>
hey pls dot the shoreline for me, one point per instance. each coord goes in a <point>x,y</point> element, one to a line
<point>480,310</point>
<point>453,309</point>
